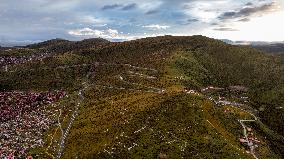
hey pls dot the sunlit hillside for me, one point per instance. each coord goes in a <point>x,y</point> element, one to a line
<point>161,97</point>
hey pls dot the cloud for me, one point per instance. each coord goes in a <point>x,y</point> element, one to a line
<point>249,4</point>
<point>214,24</point>
<point>91,20</point>
<point>150,12</point>
<point>205,11</point>
<point>244,20</point>
<point>112,32</point>
<point>248,11</point>
<point>113,6</point>
<point>156,27</point>
<point>188,21</point>
<point>88,32</point>
<point>109,34</point>
<point>120,6</point>
<point>225,29</point>
<point>192,20</point>
<point>85,32</point>
<point>47,19</point>
<point>129,6</point>
<point>228,15</point>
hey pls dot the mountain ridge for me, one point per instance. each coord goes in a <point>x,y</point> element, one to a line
<point>156,96</point>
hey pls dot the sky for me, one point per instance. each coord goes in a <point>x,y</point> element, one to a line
<point>30,21</point>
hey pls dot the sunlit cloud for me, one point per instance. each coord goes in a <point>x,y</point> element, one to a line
<point>88,32</point>
<point>264,28</point>
<point>156,26</point>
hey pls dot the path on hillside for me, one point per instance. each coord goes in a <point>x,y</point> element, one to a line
<point>135,74</point>
<point>150,89</point>
<point>90,64</point>
<point>65,133</point>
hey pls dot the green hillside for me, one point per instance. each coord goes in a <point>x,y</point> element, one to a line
<point>132,99</point>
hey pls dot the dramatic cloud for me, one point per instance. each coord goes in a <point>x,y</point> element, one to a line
<point>249,11</point>
<point>38,20</point>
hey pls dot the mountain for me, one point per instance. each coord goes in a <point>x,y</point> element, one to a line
<point>48,43</point>
<point>252,43</point>
<point>158,97</point>
<point>61,45</point>
<point>271,48</point>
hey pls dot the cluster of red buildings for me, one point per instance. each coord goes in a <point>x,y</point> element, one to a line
<point>13,104</point>
<point>24,117</point>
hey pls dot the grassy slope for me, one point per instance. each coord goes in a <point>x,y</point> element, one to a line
<point>176,124</point>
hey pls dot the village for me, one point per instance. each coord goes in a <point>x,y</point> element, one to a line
<point>25,117</point>
<point>7,61</point>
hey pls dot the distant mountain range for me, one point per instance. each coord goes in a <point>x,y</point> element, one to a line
<point>267,47</point>
<point>16,43</point>
<point>277,48</point>
<point>253,43</point>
